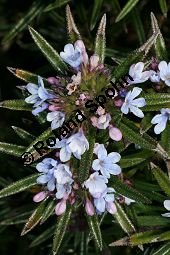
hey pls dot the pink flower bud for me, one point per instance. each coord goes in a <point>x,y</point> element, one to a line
<point>118,102</point>
<point>75,186</point>
<point>100,111</point>
<point>60,207</point>
<point>40,196</point>
<point>81,46</point>
<point>115,133</point>
<point>53,108</point>
<point>94,61</point>
<point>111,208</point>
<point>52,80</point>
<point>94,121</point>
<point>89,207</point>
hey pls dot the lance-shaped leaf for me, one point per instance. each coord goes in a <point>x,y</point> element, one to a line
<point>19,186</point>
<point>86,160</point>
<point>154,220</point>
<point>94,228</point>
<point>163,250</point>
<point>128,191</point>
<point>18,105</point>
<point>95,13</point>
<point>16,219</point>
<point>49,210</point>
<point>24,75</point>
<point>72,30</point>
<point>56,4</point>
<point>164,7</point>
<point>124,220</point>
<point>160,47</point>
<point>62,224</point>
<point>162,179</point>
<point>154,101</point>
<point>12,149</point>
<point>24,135</point>
<point>138,25</point>
<point>126,9</point>
<point>36,8</point>
<point>136,56</point>
<point>44,236</point>
<point>34,218</point>
<point>48,51</point>
<point>100,43</point>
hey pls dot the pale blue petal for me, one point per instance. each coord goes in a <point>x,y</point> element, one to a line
<point>125,108</point>
<point>42,179</point>
<point>100,204</point>
<point>64,155</point>
<point>32,88</point>
<point>139,102</point>
<point>136,111</point>
<point>96,165</point>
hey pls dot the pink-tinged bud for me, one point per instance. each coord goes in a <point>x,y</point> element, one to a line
<point>89,207</point>
<point>94,61</point>
<point>57,154</point>
<point>111,208</point>
<point>40,196</point>
<point>118,102</point>
<point>52,80</point>
<point>75,186</point>
<point>94,121</point>
<point>115,133</point>
<point>72,198</point>
<point>100,111</point>
<point>154,64</point>
<point>81,46</point>
<point>53,108</point>
<point>60,207</point>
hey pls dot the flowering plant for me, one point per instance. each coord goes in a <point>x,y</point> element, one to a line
<point>89,168</point>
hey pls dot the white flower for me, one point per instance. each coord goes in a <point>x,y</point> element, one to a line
<point>38,95</point>
<point>167,206</point>
<point>164,69</point>
<point>76,144</point>
<point>128,201</point>
<point>56,118</point>
<point>154,76</point>
<point>71,55</point>
<point>132,105</point>
<point>76,80</point>
<point>96,184</point>
<point>161,120</point>
<point>106,163</point>
<point>105,202</point>
<point>136,72</point>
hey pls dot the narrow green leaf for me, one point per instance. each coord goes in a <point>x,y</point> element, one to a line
<point>86,160</point>
<point>164,139</point>
<point>123,220</point>
<point>24,135</point>
<point>18,105</point>
<point>154,100</point>
<point>36,8</point>
<point>100,43</point>
<point>24,75</point>
<point>138,25</point>
<point>95,13</point>
<point>164,7</point>
<point>49,210</point>
<point>44,236</point>
<point>61,228</point>
<point>126,9</point>
<point>12,149</point>
<point>162,179</point>
<point>163,250</point>
<point>160,47</point>
<point>94,227</point>
<point>154,220</point>
<point>72,30</point>
<point>16,219</point>
<point>49,52</point>
<point>34,218</point>
<point>56,4</point>
<point>19,186</point>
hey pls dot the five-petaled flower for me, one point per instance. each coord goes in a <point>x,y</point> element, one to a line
<point>164,69</point>
<point>106,202</point>
<point>106,162</point>
<point>56,118</point>
<point>131,104</point>
<point>71,55</point>
<point>161,120</point>
<point>136,72</point>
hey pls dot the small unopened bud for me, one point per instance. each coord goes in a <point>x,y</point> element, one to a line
<point>115,133</point>
<point>89,207</point>
<point>118,102</point>
<point>94,61</point>
<point>53,108</point>
<point>81,46</point>
<point>52,80</point>
<point>60,207</point>
<point>40,196</point>
<point>111,208</point>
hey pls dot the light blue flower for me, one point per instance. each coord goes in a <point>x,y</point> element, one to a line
<point>56,118</point>
<point>161,120</point>
<point>38,95</point>
<point>46,167</point>
<point>64,180</point>
<point>167,207</point>
<point>106,162</point>
<point>96,184</point>
<point>131,104</point>
<point>71,55</point>
<point>105,201</point>
<point>76,144</point>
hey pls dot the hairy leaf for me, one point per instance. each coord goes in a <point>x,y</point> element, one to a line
<point>18,105</point>
<point>126,9</point>
<point>101,40</point>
